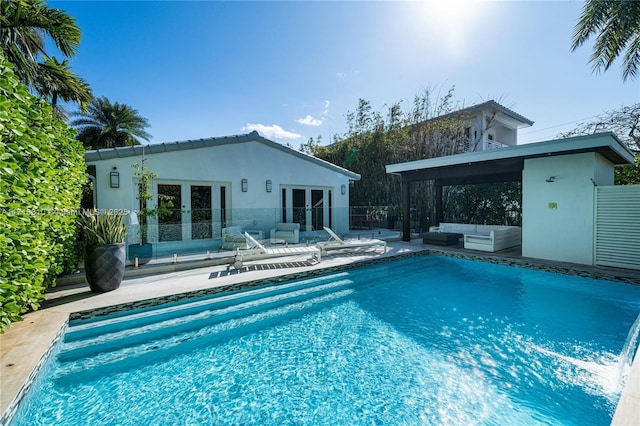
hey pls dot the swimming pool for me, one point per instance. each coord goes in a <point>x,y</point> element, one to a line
<point>423,340</point>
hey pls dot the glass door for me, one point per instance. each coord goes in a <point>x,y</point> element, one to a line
<point>170,214</point>
<point>307,206</point>
<point>317,209</point>
<point>300,207</point>
<point>201,214</point>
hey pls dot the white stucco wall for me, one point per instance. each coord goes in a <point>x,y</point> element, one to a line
<point>563,232</point>
<point>227,165</point>
<point>505,135</point>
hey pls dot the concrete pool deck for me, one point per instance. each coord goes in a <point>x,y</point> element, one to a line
<point>25,345</point>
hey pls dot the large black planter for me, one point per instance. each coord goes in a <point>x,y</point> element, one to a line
<point>104,267</point>
<point>144,253</point>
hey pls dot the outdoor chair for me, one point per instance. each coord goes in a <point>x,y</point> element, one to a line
<point>336,243</point>
<point>257,251</point>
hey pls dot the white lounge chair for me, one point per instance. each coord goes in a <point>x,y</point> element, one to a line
<point>257,251</point>
<point>336,243</point>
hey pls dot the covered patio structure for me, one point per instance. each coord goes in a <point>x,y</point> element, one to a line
<point>558,179</point>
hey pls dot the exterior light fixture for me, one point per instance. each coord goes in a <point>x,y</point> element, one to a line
<point>244,186</point>
<point>343,189</point>
<point>114,178</point>
<point>269,187</point>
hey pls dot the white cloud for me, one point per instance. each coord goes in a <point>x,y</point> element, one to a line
<point>310,121</point>
<point>274,131</point>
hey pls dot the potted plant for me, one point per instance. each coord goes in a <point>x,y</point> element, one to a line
<point>104,257</point>
<point>144,250</point>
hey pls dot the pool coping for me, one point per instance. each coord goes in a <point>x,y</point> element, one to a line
<point>627,410</point>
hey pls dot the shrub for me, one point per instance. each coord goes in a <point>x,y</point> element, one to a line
<point>101,230</point>
<point>629,174</point>
<point>42,170</point>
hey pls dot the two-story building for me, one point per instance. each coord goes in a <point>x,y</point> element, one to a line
<point>490,125</point>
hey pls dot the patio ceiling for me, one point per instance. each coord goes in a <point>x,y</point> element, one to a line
<point>506,164</point>
<point>502,170</point>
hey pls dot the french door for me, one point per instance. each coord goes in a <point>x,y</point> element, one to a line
<point>190,211</point>
<point>308,207</point>
<point>201,212</point>
<point>169,212</point>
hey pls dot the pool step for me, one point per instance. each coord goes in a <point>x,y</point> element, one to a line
<point>105,345</point>
<point>155,350</point>
<point>112,338</point>
<point>99,326</point>
<point>166,326</point>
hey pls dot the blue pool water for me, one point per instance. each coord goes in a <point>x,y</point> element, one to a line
<point>424,340</point>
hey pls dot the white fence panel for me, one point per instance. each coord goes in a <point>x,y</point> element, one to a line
<point>617,226</point>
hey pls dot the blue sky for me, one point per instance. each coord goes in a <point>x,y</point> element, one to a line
<point>293,70</point>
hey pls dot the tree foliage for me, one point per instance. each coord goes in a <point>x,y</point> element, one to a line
<point>616,25</point>
<point>431,126</point>
<point>624,122</point>
<point>55,81</point>
<point>42,171</point>
<point>628,175</point>
<point>374,140</point>
<point>492,203</point>
<point>25,27</point>
<point>110,125</point>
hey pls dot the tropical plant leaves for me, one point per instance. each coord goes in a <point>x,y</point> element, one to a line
<point>42,170</point>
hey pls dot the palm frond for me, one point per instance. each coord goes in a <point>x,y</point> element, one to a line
<point>616,25</point>
<point>108,125</point>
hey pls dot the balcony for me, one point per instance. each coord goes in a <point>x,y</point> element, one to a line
<point>470,146</point>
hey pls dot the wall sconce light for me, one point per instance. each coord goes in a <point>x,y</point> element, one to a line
<point>269,186</point>
<point>244,185</point>
<point>343,189</point>
<point>550,179</point>
<point>114,178</point>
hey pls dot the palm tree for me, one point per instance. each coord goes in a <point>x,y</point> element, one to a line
<point>107,125</point>
<point>617,25</point>
<point>25,25</point>
<point>55,80</point>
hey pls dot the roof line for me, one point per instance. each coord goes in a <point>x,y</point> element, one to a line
<point>530,150</point>
<point>490,103</point>
<point>136,150</point>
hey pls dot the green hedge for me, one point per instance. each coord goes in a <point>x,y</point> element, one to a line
<point>42,170</point>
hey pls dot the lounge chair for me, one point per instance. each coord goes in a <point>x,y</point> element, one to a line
<point>257,251</point>
<point>336,243</point>
<point>232,238</point>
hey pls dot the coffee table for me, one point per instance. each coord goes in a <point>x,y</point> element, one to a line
<point>441,238</point>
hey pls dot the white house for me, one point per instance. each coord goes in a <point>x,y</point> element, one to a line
<point>245,180</point>
<point>489,125</point>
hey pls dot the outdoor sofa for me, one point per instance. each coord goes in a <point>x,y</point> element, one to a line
<point>483,237</point>
<point>286,232</point>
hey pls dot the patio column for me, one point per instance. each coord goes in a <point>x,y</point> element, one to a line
<point>438,194</point>
<point>406,211</point>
